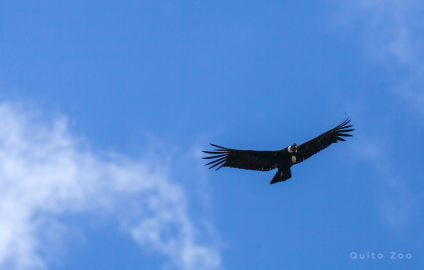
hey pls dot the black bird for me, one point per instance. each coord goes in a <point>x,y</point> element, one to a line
<point>283,159</point>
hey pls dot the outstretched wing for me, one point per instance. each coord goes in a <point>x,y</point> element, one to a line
<point>243,159</point>
<point>323,141</point>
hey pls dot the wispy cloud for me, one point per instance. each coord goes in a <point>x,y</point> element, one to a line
<point>396,202</point>
<point>46,172</point>
<point>393,36</point>
<point>390,28</point>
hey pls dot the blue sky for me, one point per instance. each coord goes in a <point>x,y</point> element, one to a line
<point>106,105</point>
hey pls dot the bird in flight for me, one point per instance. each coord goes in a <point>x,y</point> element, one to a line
<point>283,159</point>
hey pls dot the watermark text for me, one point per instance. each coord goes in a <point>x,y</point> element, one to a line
<point>372,255</point>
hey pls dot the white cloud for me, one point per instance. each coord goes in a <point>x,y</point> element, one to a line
<point>392,32</point>
<point>390,28</point>
<point>46,172</point>
<point>393,36</point>
<point>396,202</point>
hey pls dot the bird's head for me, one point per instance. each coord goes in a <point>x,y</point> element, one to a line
<point>293,148</point>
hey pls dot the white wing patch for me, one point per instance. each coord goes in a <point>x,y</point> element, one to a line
<point>293,158</point>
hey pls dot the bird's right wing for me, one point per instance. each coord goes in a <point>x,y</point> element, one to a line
<point>311,147</point>
<point>243,159</point>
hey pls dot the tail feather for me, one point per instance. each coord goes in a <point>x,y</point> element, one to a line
<point>281,176</point>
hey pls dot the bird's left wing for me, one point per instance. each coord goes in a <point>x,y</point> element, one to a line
<point>243,159</point>
<point>310,148</point>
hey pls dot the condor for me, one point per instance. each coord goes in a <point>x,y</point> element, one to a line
<point>283,159</point>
